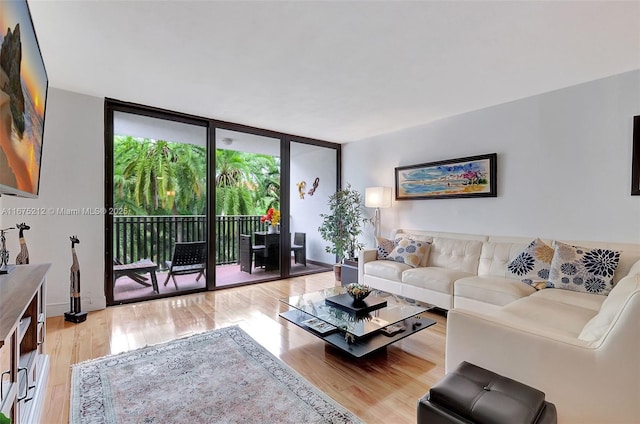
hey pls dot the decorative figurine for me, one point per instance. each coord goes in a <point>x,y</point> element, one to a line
<point>23,256</point>
<point>5,268</point>
<point>315,186</point>
<point>302,186</point>
<point>75,314</point>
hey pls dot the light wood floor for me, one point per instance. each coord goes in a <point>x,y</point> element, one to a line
<point>383,388</point>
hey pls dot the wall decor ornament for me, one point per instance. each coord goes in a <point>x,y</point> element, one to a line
<point>23,255</point>
<point>315,186</point>
<point>5,268</point>
<point>75,313</point>
<point>302,186</point>
<point>635,164</point>
<point>473,176</point>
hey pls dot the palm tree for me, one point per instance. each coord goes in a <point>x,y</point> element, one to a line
<point>233,184</point>
<point>190,179</point>
<point>266,178</point>
<point>155,177</point>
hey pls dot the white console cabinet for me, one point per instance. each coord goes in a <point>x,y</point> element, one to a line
<point>23,363</point>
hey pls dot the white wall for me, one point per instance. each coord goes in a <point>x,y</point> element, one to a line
<point>564,165</point>
<point>308,163</point>
<point>564,171</point>
<point>72,177</point>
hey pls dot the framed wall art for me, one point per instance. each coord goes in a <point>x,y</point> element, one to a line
<point>473,176</point>
<point>635,163</point>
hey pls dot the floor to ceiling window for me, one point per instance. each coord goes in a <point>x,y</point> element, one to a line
<point>157,189</point>
<point>248,210</point>
<point>241,202</point>
<point>313,180</point>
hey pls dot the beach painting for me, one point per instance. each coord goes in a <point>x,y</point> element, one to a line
<point>23,91</point>
<point>473,176</point>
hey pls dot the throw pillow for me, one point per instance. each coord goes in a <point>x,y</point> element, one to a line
<point>583,269</point>
<point>532,265</point>
<point>408,251</point>
<point>385,246</point>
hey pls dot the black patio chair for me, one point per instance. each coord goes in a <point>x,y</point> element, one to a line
<point>299,248</point>
<point>247,253</point>
<point>188,258</point>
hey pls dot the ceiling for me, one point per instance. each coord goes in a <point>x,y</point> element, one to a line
<point>334,70</point>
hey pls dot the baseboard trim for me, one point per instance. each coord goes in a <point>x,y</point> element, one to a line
<point>88,305</point>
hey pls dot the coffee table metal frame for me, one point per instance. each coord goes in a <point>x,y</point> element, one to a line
<point>366,330</point>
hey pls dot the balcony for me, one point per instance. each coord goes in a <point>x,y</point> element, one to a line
<point>153,237</point>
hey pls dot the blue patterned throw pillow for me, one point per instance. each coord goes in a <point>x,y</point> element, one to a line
<point>532,265</point>
<point>409,251</point>
<point>385,246</point>
<point>583,269</point>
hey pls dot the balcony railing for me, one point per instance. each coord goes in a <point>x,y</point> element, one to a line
<point>153,237</point>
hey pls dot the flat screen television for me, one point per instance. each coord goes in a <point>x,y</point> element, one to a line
<point>23,100</point>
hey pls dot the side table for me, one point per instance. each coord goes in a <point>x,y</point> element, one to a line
<point>349,272</point>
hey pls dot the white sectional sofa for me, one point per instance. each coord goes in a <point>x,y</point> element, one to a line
<point>581,349</point>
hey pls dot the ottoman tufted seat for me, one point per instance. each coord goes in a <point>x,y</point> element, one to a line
<point>471,394</point>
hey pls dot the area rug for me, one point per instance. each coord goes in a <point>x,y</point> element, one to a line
<point>222,376</point>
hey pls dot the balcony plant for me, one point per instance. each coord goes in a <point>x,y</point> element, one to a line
<point>342,226</point>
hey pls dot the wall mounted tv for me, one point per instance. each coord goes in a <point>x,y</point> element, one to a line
<point>23,100</point>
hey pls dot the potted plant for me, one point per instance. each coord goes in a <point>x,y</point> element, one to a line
<point>342,225</point>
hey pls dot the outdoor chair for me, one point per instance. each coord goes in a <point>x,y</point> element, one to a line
<point>247,253</point>
<point>188,258</point>
<point>135,271</point>
<point>299,248</point>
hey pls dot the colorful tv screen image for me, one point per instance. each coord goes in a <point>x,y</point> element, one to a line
<point>23,92</point>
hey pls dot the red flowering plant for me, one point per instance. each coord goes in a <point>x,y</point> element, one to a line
<point>272,217</point>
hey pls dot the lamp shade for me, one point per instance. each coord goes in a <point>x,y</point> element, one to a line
<point>377,197</point>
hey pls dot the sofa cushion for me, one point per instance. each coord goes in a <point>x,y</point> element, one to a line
<point>495,257</point>
<point>570,297</point>
<point>459,254</point>
<point>494,290</point>
<point>386,269</point>
<point>564,319</point>
<point>532,265</point>
<point>583,269</point>
<point>385,246</point>
<point>409,251</point>
<point>612,305</point>
<point>433,278</point>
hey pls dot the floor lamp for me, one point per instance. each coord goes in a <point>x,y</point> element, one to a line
<point>377,197</point>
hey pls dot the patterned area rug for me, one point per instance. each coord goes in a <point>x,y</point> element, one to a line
<point>222,376</point>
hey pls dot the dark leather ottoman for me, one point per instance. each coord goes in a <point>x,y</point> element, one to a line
<point>471,394</point>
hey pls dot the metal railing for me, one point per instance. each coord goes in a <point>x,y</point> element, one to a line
<point>153,237</point>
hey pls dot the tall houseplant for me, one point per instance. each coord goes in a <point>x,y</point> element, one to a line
<point>343,224</point>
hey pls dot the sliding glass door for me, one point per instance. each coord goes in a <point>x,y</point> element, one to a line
<point>248,214</point>
<point>243,203</point>
<point>157,191</point>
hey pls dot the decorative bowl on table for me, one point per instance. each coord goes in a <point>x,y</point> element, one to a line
<point>358,291</point>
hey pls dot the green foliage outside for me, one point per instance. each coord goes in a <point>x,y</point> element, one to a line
<point>156,177</point>
<point>246,183</point>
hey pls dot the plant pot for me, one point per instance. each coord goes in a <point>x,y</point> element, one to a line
<point>272,229</point>
<point>337,271</point>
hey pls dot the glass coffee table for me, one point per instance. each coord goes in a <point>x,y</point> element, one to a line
<point>358,329</point>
